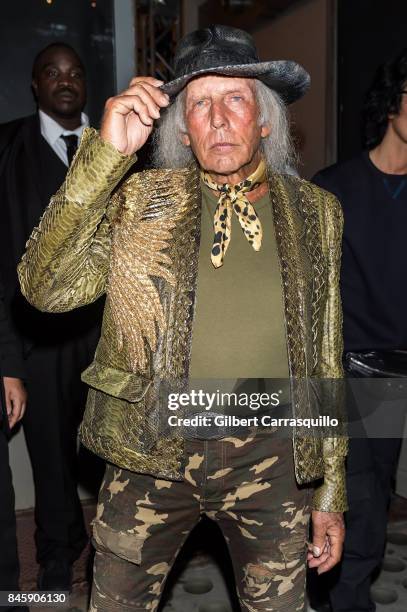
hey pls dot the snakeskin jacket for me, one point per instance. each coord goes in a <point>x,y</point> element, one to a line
<point>137,241</point>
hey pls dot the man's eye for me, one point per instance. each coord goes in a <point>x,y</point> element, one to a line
<point>77,75</point>
<point>237,98</point>
<point>52,73</point>
<point>199,102</point>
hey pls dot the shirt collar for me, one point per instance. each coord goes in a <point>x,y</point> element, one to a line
<point>52,130</point>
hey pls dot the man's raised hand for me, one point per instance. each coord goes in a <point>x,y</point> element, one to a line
<point>128,118</point>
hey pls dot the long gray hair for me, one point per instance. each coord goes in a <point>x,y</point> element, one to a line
<point>278,152</point>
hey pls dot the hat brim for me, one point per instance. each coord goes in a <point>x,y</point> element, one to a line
<point>289,79</point>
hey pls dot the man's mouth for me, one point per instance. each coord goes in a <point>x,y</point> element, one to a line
<point>222,146</point>
<point>66,94</point>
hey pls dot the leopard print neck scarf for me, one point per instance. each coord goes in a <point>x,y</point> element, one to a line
<point>232,197</point>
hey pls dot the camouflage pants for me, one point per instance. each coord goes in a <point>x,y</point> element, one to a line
<point>246,485</point>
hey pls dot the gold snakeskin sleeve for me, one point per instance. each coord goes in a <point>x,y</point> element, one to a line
<point>67,256</point>
<point>330,496</point>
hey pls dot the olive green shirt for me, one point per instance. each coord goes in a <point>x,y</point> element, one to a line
<point>239,329</point>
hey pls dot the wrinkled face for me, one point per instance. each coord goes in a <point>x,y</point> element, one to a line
<point>398,122</point>
<point>222,126</point>
<point>59,83</point>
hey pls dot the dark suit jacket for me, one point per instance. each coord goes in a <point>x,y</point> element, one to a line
<point>11,360</point>
<point>30,173</point>
<point>26,184</point>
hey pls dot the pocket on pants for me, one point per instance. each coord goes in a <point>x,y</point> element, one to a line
<point>294,548</point>
<point>123,544</point>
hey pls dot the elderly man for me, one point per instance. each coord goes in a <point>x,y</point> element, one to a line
<point>185,299</point>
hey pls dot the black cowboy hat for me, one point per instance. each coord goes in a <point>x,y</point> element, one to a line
<point>228,51</point>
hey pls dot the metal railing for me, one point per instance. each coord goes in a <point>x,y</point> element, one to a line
<point>158,28</point>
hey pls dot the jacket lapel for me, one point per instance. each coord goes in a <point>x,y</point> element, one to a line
<point>300,255</point>
<point>180,299</point>
<point>31,138</point>
<point>287,225</point>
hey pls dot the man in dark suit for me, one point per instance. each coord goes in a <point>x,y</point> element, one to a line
<point>12,408</point>
<point>35,153</point>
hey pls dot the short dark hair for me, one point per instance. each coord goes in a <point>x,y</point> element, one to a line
<point>383,98</point>
<point>53,45</point>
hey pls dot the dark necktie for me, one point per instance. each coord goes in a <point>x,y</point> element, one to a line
<point>71,142</point>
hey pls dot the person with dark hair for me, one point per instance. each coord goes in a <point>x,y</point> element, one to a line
<point>372,189</point>
<point>13,399</point>
<point>35,153</point>
<point>384,98</point>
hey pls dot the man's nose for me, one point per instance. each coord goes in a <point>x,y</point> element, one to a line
<point>65,79</point>
<point>218,115</point>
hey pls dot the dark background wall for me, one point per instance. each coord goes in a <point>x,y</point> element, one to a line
<point>305,34</point>
<point>26,26</point>
<point>369,33</point>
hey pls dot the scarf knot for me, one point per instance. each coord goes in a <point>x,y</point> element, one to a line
<point>233,198</point>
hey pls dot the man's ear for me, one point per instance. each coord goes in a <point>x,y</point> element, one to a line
<point>185,139</point>
<point>34,86</point>
<point>265,131</point>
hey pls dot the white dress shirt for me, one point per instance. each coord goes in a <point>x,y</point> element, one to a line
<point>52,132</point>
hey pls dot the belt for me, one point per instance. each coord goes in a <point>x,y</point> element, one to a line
<point>208,425</point>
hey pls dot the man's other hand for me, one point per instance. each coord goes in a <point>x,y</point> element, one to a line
<point>327,543</point>
<point>128,118</point>
<point>16,399</point>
